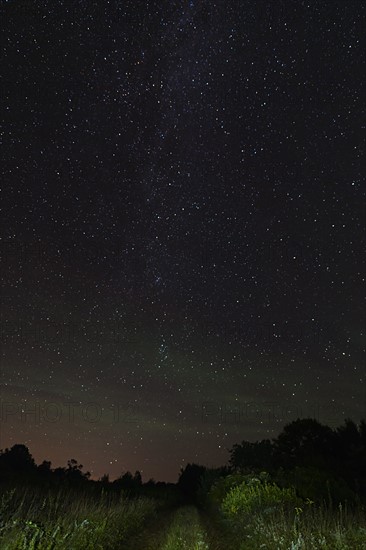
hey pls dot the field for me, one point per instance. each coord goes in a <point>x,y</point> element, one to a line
<point>304,490</point>
<point>249,515</point>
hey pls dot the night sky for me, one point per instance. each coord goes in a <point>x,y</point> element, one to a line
<point>182,232</point>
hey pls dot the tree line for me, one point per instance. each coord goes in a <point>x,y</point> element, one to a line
<point>307,454</point>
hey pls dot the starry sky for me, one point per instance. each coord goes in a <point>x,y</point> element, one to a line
<point>182,232</point>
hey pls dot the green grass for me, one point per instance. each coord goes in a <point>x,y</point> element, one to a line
<point>250,518</point>
<point>69,520</point>
<point>310,528</point>
<point>303,527</point>
<point>186,531</point>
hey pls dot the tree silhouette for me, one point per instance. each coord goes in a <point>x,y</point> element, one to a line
<point>254,456</point>
<point>304,442</point>
<point>129,481</point>
<point>310,455</point>
<point>189,480</point>
<point>350,450</point>
<point>74,471</point>
<point>17,461</point>
<point>104,480</point>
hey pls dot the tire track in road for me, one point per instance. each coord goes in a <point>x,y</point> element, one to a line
<point>186,528</point>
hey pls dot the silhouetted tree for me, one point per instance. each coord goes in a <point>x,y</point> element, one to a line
<point>104,480</point>
<point>252,456</point>
<point>137,479</point>
<point>128,481</point>
<point>350,452</point>
<point>74,471</point>
<point>45,466</point>
<point>304,442</point>
<point>362,430</point>
<point>44,472</point>
<point>189,480</point>
<point>17,462</point>
<point>150,483</point>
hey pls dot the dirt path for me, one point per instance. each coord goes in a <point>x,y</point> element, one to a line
<point>183,529</point>
<point>186,531</point>
<point>218,538</point>
<point>152,536</point>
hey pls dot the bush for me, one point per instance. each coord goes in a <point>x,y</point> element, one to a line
<point>223,486</point>
<point>255,496</point>
<point>319,486</point>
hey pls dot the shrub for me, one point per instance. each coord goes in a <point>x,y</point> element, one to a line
<point>320,486</point>
<point>224,485</point>
<point>257,497</point>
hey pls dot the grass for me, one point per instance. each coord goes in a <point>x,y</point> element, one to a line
<point>65,520</point>
<point>186,531</point>
<point>304,528</point>
<point>70,519</point>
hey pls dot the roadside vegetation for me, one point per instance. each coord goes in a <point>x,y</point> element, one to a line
<point>305,490</point>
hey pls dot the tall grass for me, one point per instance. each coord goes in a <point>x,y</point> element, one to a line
<point>186,531</point>
<point>247,513</point>
<point>308,528</point>
<point>38,520</point>
<point>264,516</point>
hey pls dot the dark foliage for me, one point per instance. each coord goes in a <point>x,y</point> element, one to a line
<point>189,480</point>
<point>308,446</point>
<point>307,454</point>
